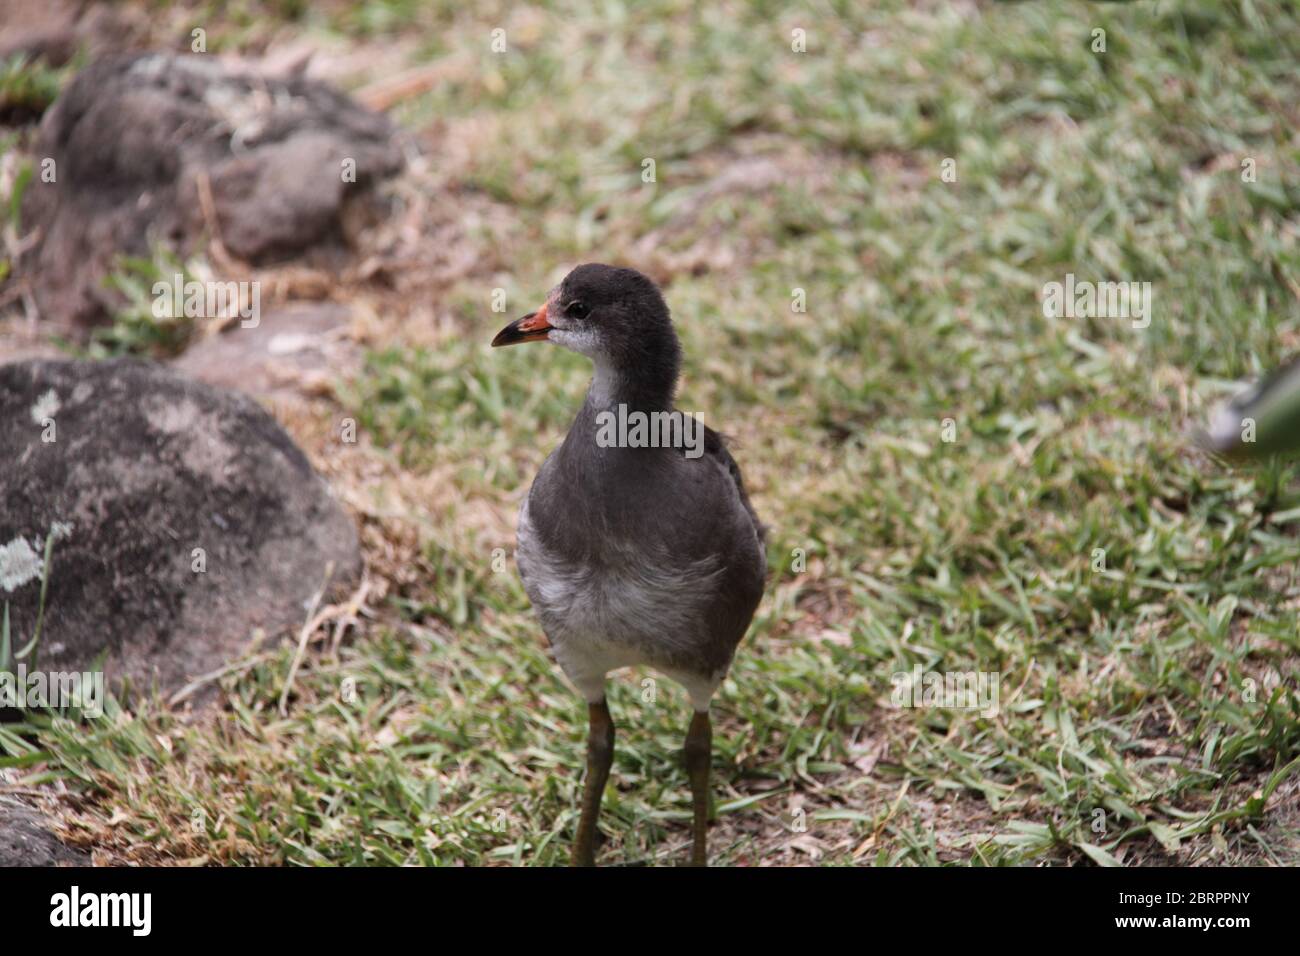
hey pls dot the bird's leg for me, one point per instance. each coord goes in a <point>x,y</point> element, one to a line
<point>600,754</point>
<point>699,754</point>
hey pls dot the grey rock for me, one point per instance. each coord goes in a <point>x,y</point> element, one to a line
<point>293,349</point>
<point>168,149</point>
<point>55,30</point>
<point>25,841</point>
<point>146,467</point>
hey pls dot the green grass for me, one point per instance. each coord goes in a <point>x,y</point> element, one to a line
<point>135,329</point>
<point>27,88</point>
<point>1156,684</point>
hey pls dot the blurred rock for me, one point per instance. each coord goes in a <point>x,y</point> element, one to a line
<point>297,349</point>
<point>145,468</point>
<point>172,149</point>
<point>25,841</point>
<point>52,31</point>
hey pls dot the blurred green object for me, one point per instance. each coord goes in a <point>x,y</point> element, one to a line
<point>1261,421</point>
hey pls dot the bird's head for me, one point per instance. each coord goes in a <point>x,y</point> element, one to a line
<point>614,316</point>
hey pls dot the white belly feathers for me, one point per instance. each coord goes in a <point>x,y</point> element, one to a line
<point>642,610</point>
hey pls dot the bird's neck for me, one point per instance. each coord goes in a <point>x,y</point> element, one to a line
<point>618,393</point>
<point>642,389</point>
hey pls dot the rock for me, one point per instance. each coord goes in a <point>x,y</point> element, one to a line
<point>183,517</point>
<point>24,840</point>
<point>149,148</point>
<point>54,30</point>
<point>294,349</point>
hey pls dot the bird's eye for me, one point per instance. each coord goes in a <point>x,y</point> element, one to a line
<point>577,310</point>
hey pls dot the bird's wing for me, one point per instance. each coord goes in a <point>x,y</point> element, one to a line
<point>715,447</point>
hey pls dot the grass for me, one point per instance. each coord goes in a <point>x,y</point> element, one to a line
<point>135,327</point>
<point>1137,599</point>
<point>27,88</point>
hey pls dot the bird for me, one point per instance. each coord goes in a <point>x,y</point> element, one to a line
<point>635,553</point>
<point>1261,421</point>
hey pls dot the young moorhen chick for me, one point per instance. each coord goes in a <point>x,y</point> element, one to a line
<point>634,553</point>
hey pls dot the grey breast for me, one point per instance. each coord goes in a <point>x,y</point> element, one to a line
<point>659,554</point>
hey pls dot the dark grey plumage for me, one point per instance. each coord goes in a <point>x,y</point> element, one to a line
<point>635,555</point>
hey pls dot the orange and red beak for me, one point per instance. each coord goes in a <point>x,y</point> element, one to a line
<point>531,328</point>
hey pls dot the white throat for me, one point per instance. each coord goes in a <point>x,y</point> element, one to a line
<point>604,384</point>
<point>606,381</point>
